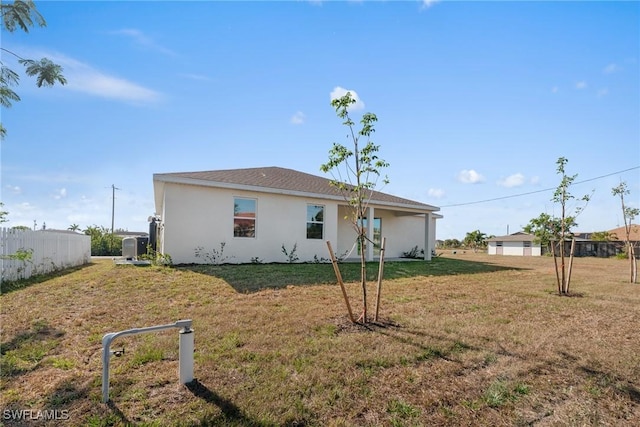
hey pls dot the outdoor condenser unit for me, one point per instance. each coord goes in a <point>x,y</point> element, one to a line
<point>129,248</point>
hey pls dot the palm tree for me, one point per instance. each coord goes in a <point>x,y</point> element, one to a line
<point>74,227</point>
<point>475,239</point>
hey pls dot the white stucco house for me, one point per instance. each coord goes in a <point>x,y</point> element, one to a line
<point>520,243</point>
<point>256,211</point>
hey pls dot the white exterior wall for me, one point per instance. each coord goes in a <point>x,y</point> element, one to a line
<point>491,248</point>
<point>513,248</point>
<point>198,216</point>
<point>346,235</point>
<point>403,232</point>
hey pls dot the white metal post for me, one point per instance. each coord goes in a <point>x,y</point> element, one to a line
<point>186,351</point>
<point>185,368</point>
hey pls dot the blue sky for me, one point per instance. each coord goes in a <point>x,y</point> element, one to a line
<point>475,101</point>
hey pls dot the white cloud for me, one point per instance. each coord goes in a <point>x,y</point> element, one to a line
<point>339,92</point>
<point>535,180</point>
<point>143,40</point>
<point>94,82</point>
<point>84,78</point>
<point>60,194</point>
<point>22,214</point>
<point>197,77</point>
<point>514,180</point>
<point>470,177</point>
<point>555,89</point>
<point>581,85</point>
<point>14,189</point>
<point>437,193</point>
<point>428,3</point>
<point>298,118</point>
<point>611,68</point>
<point>603,92</point>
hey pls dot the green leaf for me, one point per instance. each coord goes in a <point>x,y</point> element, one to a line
<point>47,73</point>
<point>21,14</point>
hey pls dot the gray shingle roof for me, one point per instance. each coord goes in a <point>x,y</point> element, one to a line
<point>515,237</point>
<point>277,178</point>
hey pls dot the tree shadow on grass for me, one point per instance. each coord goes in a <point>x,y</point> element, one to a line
<point>620,386</point>
<point>247,278</point>
<point>230,413</point>
<point>15,285</point>
<point>24,352</point>
<point>117,413</point>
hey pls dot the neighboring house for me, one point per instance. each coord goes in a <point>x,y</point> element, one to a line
<point>254,212</point>
<point>519,243</point>
<point>125,234</point>
<point>619,233</point>
<point>585,246</point>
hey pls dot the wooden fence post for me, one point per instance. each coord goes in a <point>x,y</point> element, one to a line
<point>334,261</point>
<point>380,273</point>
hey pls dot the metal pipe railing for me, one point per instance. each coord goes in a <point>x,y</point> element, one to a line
<point>186,346</point>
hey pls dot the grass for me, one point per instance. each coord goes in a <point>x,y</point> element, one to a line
<point>467,339</point>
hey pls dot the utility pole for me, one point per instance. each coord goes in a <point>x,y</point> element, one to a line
<point>113,204</point>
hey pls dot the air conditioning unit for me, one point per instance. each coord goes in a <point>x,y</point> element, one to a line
<point>129,248</point>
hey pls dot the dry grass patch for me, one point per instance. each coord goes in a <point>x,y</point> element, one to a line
<point>467,339</point>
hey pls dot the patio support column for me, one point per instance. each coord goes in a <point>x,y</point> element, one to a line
<point>427,236</point>
<point>369,253</point>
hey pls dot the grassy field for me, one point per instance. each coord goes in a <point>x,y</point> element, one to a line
<point>467,339</point>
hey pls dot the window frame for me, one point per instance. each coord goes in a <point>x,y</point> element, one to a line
<point>239,217</point>
<point>310,222</point>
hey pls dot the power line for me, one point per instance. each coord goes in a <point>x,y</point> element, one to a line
<point>538,191</point>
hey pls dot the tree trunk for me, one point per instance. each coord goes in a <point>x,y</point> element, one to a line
<point>563,279</point>
<point>363,277</point>
<point>562,237</point>
<point>634,263</point>
<point>573,246</point>
<point>555,262</point>
<point>380,273</point>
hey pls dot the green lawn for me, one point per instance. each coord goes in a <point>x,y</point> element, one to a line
<point>466,339</point>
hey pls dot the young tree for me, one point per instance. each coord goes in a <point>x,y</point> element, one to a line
<point>22,14</point>
<point>475,239</point>
<point>602,236</point>
<point>628,215</point>
<point>451,243</point>
<point>355,174</point>
<point>103,242</point>
<point>546,229</point>
<point>563,197</point>
<point>3,214</point>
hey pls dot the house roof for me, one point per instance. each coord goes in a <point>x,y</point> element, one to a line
<point>131,233</point>
<point>515,237</point>
<point>53,230</point>
<point>634,234</point>
<point>281,181</point>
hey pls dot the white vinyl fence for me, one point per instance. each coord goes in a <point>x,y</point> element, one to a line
<point>49,251</point>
